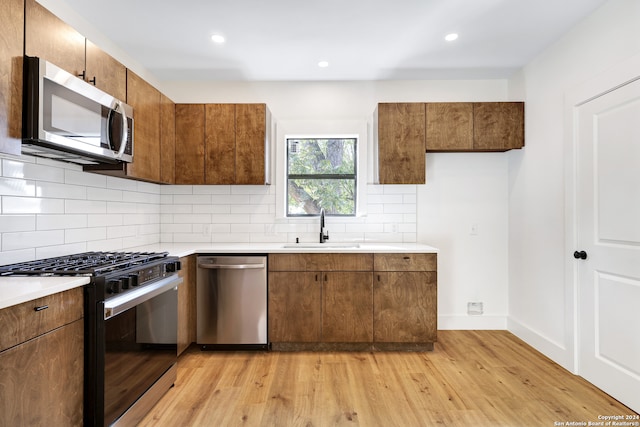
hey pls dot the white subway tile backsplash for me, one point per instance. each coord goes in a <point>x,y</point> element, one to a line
<point>17,187</point>
<point>14,223</point>
<point>80,211</point>
<point>31,239</point>
<point>31,205</point>
<point>61,221</point>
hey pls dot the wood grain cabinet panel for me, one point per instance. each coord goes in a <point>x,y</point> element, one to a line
<point>145,100</point>
<point>50,38</point>
<point>449,126</point>
<point>42,361</point>
<point>498,126</point>
<point>347,316</point>
<point>105,72</point>
<point>295,307</point>
<point>190,143</point>
<point>320,262</point>
<point>405,305</point>
<point>401,139</point>
<point>220,144</point>
<point>11,49</point>
<point>251,127</point>
<point>187,303</point>
<point>167,140</point>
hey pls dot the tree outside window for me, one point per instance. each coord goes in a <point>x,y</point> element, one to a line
<point>321,173</point>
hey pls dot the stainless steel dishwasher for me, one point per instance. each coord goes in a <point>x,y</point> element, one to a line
<point>232,302</point>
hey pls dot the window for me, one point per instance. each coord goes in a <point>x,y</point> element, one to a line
<point>321,173</point>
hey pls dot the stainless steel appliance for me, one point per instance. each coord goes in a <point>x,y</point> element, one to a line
<point>130,329</point>
<point>232,302</point>
<point>65,118</point>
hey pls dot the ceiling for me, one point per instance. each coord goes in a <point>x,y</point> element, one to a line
<point>283,40</point>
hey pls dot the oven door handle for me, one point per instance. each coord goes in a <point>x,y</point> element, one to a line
<point>231,266</point>
<point>130,299</point>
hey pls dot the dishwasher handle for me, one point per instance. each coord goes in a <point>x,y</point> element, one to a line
<point>231,266</point>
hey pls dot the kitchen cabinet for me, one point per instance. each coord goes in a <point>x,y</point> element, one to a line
<point>405,299</point>
<point>498,126</point>
<point>42,361</point>
<point>400,138</point>
<point>187,303</point>
<point>167,140</point>
<point>11,48</point>
<point>145,100</point>
<point>320,298</point>
<point>50,38</point>
<point>478,126</point>
<point>222,144</point>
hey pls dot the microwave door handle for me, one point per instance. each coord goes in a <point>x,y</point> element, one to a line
<point>125,130</point>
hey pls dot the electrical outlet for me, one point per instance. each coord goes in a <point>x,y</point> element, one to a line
<point>474,308</point>
<point>394,228</point>
<point>473,230</point>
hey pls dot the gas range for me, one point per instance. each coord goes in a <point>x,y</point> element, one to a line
<point>112,272</point>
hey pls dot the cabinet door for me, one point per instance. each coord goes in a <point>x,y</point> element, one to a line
<point>109,74</point>
<point>167,140</point>
<point>41,381</point>
<point>220,144</point>
<point>189,144</point>
<point>250,140</point>
<point>145,100</point>
<point>187,303</point>
<point>11,48</point>
<point>449,126</point>
<point>347,301</point>
<point>404,307</point>
<point>401,143</point>
<point>48,37</point>
<point>498,126</point>
<point>295,304</point>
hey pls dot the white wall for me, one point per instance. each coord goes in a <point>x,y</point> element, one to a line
<point>541,306</point>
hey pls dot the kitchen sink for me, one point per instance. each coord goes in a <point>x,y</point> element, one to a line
<point>321,245</point>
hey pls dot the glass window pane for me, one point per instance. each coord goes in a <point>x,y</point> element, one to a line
<point>321,156</point>
<point>307,196</point>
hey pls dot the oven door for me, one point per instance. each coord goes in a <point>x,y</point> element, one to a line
<point>140,345</point>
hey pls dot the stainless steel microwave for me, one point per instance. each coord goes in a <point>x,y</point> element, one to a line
<point>65,118</point>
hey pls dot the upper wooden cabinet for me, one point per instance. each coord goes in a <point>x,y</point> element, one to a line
<point>400,138</point>
<point>50,38</point>
<point>11,39</point>
<point>145,100</point>
<point>222,143</point>
<point>479,126</point>
<point>167,140</point>
<point>105,72</point>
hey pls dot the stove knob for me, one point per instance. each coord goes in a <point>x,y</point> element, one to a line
<point>124,281</point>
<point>133,280</point>
<point>114,286</point>
<point>173,266</point>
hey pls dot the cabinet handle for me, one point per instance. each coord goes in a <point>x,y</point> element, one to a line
<point>93,80</point>
<point>406,257</point>
<point>316,277</point>
<point>325,278</point>
<point>378,277</point>
<point>40,308</point>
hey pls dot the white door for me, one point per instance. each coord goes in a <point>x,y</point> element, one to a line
<point>608,213</point>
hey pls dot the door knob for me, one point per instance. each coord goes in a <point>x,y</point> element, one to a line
<point>580,255</point>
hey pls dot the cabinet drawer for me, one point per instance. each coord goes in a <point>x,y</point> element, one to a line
<point>28,320</point>
<point>405,262</point>
<point>320,262</point>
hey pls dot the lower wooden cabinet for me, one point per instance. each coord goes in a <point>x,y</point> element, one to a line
<point>352,301</point>
<point>42,362</point>
<point>187,303</point>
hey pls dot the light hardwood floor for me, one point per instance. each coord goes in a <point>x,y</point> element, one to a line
<point>472,378</point>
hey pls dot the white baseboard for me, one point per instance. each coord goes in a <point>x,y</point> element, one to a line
<point>553,350</point>
<point>466,322</point>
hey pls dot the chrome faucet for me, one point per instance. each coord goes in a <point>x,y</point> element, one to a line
<point>324,233</point>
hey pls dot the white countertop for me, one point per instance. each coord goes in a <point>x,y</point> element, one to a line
<point>16,290</point>
<point>185,249</point>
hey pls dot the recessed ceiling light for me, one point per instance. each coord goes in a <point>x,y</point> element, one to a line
<point>323,64</point>
<point>451,37</point>
<point>217,38</point>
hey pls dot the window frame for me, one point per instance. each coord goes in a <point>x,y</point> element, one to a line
<point>351,176</point>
